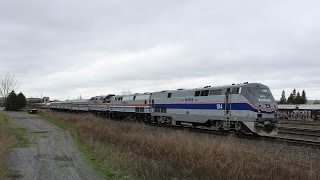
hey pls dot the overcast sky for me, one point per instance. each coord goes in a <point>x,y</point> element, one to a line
<point>64,49</point>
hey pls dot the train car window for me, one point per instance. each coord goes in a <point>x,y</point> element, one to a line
<point>215,92</point>
<point>134,97</point>
<point>235,91</point>
<point>169,95</point>
<point>204,93</point>
<point>145,101</point>
<point>197,93</point>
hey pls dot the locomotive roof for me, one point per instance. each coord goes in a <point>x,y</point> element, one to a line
<point>218,87</point>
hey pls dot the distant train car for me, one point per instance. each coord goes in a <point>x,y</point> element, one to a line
<point>245,108</point>
<point>75,105</point>
<point>61,105</point>
<point>134,106</point>
<point>80,105</point>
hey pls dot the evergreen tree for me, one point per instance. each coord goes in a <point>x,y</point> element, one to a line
<point>304,97</point>
<point>290,99</point>
<point>298,99</point>
<point>10,103</point>
<point>283,99</point>
<point>294,94</point>
<point>21,101</point>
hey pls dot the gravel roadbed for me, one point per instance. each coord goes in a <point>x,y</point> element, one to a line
<point>51,155</point>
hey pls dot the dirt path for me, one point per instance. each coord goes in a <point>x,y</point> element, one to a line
<point>51,155</point>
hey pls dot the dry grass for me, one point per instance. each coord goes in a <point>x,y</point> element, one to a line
<point>6,143</point>
<point>147,153</point>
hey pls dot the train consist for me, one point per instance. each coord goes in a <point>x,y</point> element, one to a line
<point>244,108</point>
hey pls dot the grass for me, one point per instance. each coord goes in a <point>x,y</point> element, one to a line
<point>91,158</point>
<point>22,139</point>
<point>11,136</point>
<point>7,141</point>
<point>144,153</point>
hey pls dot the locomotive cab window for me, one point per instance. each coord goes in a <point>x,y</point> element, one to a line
<point>197,93</point>
<point>235,91</point>
<point>169,95</point>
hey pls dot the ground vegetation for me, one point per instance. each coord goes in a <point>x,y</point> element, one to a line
<point>144,152</point>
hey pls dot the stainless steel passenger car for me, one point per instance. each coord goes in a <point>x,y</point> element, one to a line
<point>80,105</point>
<point>75,105</point>
<point>61,105</point>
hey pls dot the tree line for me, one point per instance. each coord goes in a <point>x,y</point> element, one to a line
<point>12,101</point>
<point>294,98</point>
<point>15,102</point>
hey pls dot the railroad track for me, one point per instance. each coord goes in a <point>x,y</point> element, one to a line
<point>301,123</point>
<point>294,141</point>
<point>299,131</point>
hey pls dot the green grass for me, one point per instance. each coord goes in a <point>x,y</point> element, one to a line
<point>7,141</point>
<point>22,139</point>
<point>89,156</point>
<point>3,118</point>
<point>20,133</point>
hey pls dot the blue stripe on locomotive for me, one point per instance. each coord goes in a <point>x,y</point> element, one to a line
<point>213,106</point>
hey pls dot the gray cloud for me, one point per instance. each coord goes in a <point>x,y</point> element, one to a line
<point>64,49</point>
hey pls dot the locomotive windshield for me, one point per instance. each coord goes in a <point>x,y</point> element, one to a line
<point>263,91</point>
<point>259,94</point>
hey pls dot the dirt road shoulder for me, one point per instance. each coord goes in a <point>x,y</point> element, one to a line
<point>51,153</point>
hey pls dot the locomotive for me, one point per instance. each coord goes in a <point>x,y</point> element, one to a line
<point>247,108</point>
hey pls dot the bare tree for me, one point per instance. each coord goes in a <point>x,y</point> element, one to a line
<point>8,83</point>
